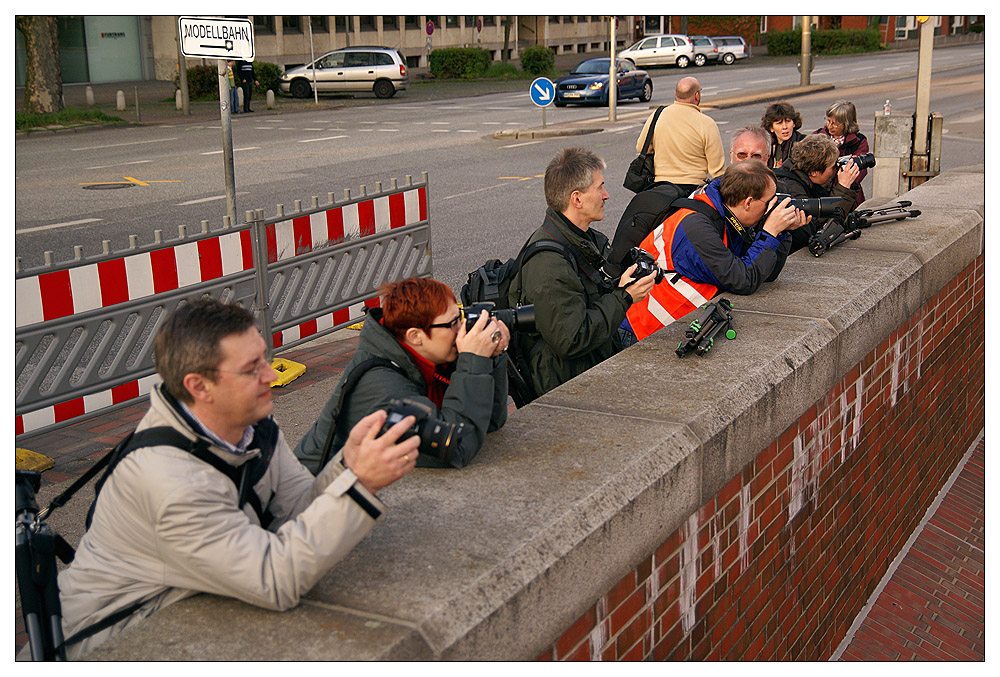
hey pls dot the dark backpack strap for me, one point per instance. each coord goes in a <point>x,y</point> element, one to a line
<point>349,383</point>
<point>581,263</point>
<point>652,126</point>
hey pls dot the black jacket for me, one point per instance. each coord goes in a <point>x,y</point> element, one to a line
<point>796,183</point>
<point>244,71</point>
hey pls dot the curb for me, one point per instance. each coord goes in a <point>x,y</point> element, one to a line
<point>543,133</point>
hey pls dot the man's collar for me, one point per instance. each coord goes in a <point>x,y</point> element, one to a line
<point>688,103</point>
<point>574,229</point>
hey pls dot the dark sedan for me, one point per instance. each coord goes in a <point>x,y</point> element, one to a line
<point>588,83</point>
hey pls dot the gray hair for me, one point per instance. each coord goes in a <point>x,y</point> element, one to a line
<point>846,114</point>
<point>755,130</point>
<point>570,170</point>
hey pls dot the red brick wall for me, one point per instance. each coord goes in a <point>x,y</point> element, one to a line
<point>778,564</point>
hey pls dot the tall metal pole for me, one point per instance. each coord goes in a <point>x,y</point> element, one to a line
<point>312,60</point>
<point>806,61</point>
<point>182,66</point>
<point>921,113</point>
<point>227,142</point>
<point>612,77</point>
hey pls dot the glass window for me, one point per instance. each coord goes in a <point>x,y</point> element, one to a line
<point>649,43</point>
<point>366,23</point>
<point>320,24</point>
<point>470,22</point>
<point>291,24</point>
<point>582,19</point>
<point>436,20</point>
<point>344,24</point>
<point>357,59</point>
<point>489,21</point>
<point>667,42</point>
<point>553,19</point>
<point>263,24</point>
<point>390,23</point>
<point>335,60</point>
<point>411,22</point>
<point>652,24</point>
<point>568,19</point>
<point>451,21</point>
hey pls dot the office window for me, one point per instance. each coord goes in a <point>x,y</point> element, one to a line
<point>344,24</point>
<point>451,21</point>
<point>470,22</point>
<point>489,21</point>
<point>568,19</point>
<point>263,24</point>
<point>366,23</point>
<point>436,20</point>
<point>390,23</point>
<point>411,23</point>
<point>291,24</point>
<point>582,19</point>
<point>553,19</point>
<point>320,24</point>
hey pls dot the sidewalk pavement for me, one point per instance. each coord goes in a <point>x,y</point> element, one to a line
<point>930,605</point>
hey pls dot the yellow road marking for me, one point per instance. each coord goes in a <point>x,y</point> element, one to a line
<point>521,178</point>
<point>129,180</point>
<point>135,181</point>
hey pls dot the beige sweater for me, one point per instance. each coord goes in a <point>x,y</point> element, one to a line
<point>686,147</point>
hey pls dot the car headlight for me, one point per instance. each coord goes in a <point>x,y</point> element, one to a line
<point>596,85</point>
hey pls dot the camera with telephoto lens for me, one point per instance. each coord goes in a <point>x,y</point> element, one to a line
<point>866,161</point>
<point>436,436</point>
<point>816,207</point>
<point>645,264</point>
<point>521,318</point>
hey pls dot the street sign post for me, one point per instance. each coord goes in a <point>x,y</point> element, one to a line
<point>223,39</point>
<point>542,93</point>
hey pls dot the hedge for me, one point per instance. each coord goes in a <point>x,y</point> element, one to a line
<point>538,60</point>
<point>459,62</point>
<point>203,81</point>
<point>836,41</point>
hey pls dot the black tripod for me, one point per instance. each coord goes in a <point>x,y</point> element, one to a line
<point>836,232</point>
<point>36,546</point>
<point>700,336</point>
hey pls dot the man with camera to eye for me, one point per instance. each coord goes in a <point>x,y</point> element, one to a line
<point>418,349</point>
<point>212,499</point>
<point>813,170</point>
<point>733,237</point>
<point>578,308</point>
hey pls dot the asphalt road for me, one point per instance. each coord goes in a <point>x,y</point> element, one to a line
<point>485,194</point>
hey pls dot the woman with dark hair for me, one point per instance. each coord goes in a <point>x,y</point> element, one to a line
<point>842,127</point>
<point>783,122</point>
<point>425,354</point>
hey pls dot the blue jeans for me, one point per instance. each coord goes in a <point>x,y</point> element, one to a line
<point>234,99</point>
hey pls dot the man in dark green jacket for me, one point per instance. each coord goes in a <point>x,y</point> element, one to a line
<point>460,375</point>
<point>577,315</point>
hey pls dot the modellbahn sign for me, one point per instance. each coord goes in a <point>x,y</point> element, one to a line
<point>216,38</point>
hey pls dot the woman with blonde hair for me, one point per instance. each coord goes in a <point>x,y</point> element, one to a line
<point>842,126</point>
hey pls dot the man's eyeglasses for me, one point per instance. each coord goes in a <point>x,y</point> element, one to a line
<point>447,325</point>
<point>253,372</point>
<point>743,156</point>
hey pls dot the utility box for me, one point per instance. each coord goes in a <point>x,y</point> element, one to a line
<point>892,148</point>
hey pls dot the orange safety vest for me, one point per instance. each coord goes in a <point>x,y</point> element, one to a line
<point>676,295</point>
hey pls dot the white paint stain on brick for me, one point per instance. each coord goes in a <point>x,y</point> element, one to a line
<point>744,520</point>
<point>689,573</point>
<point>716,545</point>
<point>896,358</point>
<point>859,408</point>
<point>599,635</point>
<point>797,485</point>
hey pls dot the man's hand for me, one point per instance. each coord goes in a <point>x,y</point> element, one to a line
<point>640,288</point>
<point>848,174</point>
<point>379,461</point>
<point>479,339</point>
<point>785,217</point>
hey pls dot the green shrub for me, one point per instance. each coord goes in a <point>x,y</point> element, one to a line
<point>836,41</point>
<point>977,28</point>
<point>203,81</point>
<point>538,60</point>
<point>459,62</point>
<point>268,75</point>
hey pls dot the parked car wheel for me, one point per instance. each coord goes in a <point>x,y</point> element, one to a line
<point>647,92</point>
<point>699,59</point>
<point>383,89</point>
<point>300,89</point>
<point>728,58</point>
<point>683,61</point>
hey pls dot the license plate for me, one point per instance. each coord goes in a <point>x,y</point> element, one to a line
<point>571,95</point>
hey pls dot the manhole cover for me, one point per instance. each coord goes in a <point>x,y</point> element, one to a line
<point>107,186</point>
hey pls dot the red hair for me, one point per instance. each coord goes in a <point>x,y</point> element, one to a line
<point>413,303</point>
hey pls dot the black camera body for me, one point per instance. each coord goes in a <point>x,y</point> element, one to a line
<point>645,264</point>
<point>866,161</point>
<point>521,318</point>
<point>816,207</point>
<point>436,436</point>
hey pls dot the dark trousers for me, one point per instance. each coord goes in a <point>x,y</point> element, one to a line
<point>247,86</point>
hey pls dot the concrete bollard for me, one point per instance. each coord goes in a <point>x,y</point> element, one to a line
<point>270,99</point>
<point>178,100</point>
<point>239,98</point>
<point>120,98</point>
<point>90,95</point>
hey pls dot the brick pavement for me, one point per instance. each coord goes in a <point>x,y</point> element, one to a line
<point>931,607</point>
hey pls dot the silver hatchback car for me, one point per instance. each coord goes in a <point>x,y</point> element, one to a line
<point>731,48</point>
<point>661,50</point>
<point>381,70</point>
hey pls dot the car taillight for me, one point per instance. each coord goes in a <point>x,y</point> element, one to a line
<point>402,71</point>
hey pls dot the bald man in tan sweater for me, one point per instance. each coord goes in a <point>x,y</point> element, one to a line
<point>687,147</point>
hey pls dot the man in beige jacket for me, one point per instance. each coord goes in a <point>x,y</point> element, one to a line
<point>168,524</point>
<point>687,147</point>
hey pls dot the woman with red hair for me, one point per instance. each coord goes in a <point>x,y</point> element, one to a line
<point>423,353</point>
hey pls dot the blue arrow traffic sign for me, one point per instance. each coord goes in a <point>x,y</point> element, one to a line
<point>542,92</point>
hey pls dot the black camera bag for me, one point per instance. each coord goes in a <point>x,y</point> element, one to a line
<point>641,172</point>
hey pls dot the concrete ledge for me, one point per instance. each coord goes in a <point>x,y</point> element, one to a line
<point>496,560</point>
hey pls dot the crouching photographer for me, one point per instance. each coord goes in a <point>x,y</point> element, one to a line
<point>814,171</point>
<point>416,349</point>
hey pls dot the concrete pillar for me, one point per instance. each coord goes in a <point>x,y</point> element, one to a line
<point>120,99</point>
<point>270,99</point>
<point>90,95</point>
<point>893,134</point>
<point>178,100</point>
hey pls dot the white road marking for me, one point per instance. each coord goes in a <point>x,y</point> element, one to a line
<point>478,190</point>
<point>219,152</point>
<point>526,143</point>
<point>396,130</point>
<point>55,225</point>
<point>324,138</point>
<point>445,123</point>
<point>863,68</point>
<point>263,127</point>
<point>121,164</point>
<point>731,89</point>
<point>129,143</point>
<point>320,129</point>
<point>751,82</point>
<point>207,199</point>
<point>469,131</point>
<point>972,118</point>
<point>444,131</point>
